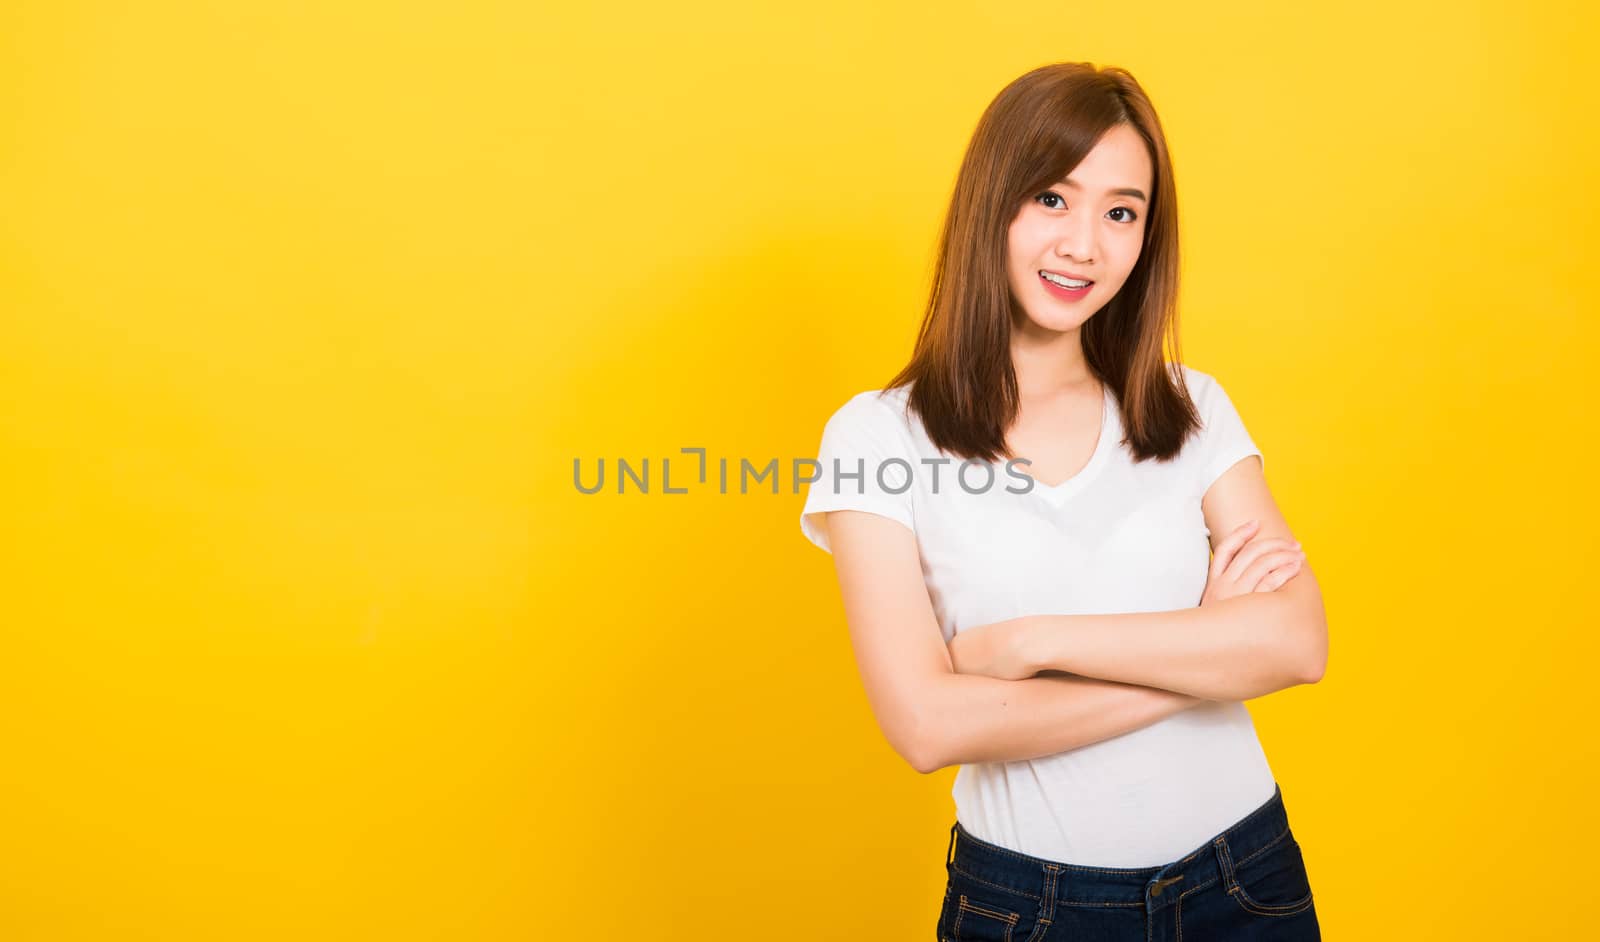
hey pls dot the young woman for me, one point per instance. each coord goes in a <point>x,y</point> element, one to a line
<point>1061,566</point>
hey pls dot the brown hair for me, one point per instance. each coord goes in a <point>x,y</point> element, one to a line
<point>964,387</point>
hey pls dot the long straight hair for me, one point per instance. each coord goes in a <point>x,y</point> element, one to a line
<point>963,383</point>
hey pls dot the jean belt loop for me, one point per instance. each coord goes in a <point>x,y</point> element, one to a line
<point>950,847</point>
<point>1224,860</point>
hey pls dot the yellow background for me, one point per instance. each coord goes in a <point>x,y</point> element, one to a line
<point>306,310</point>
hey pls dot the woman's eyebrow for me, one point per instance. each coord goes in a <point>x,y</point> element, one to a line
<point>1134,192</point>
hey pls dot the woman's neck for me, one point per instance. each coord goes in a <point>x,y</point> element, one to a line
<point>1049,365</point>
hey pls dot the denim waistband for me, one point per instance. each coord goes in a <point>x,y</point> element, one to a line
<point>1153,888</point>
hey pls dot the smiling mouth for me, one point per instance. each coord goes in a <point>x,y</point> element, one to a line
<point>1063,282</point>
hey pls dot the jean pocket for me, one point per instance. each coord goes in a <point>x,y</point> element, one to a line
<point>1273,881</point>
<point>977,912</point>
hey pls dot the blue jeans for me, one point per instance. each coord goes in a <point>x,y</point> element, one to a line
<point>1247,883</point>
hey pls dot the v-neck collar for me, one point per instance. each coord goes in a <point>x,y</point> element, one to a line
<point>1059,494</point>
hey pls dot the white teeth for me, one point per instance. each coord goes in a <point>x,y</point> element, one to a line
<point>1063,282</point>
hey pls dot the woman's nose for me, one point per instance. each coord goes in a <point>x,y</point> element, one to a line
<point>1076,240</point>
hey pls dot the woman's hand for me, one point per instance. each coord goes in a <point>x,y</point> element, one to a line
<point>1241,565</point>
<point>998,650</point>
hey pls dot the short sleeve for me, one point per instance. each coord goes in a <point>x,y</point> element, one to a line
<point>865,462</point>
<point>1223,441</point>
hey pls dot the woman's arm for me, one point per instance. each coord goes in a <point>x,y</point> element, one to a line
<point>972,718</point>
<point>1236,648</point>
<point>934,717</point>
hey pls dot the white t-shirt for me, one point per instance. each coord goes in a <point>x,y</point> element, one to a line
<point>1116,537</point>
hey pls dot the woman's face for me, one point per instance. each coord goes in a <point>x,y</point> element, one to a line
<point>1089,226</point>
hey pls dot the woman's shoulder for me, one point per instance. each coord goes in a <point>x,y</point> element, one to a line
<point>1195,380</point>
<point>882,414</point>
<point>877,405</point>
<point>1205,391</point>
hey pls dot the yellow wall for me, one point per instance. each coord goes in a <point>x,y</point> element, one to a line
<point>306,310</point>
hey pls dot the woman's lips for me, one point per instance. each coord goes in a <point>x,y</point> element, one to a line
<point>1062,292</point>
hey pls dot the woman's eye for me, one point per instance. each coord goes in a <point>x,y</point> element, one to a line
<point>1053,195</point>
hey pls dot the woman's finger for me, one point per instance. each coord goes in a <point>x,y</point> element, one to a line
<point>1230,545</point>
<point>1253,551</point>
<point>1269,563</point>
<point>1272,582</point>
<point>1288,572</point>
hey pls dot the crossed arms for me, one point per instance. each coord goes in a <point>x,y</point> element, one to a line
<point>1102,675</point>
